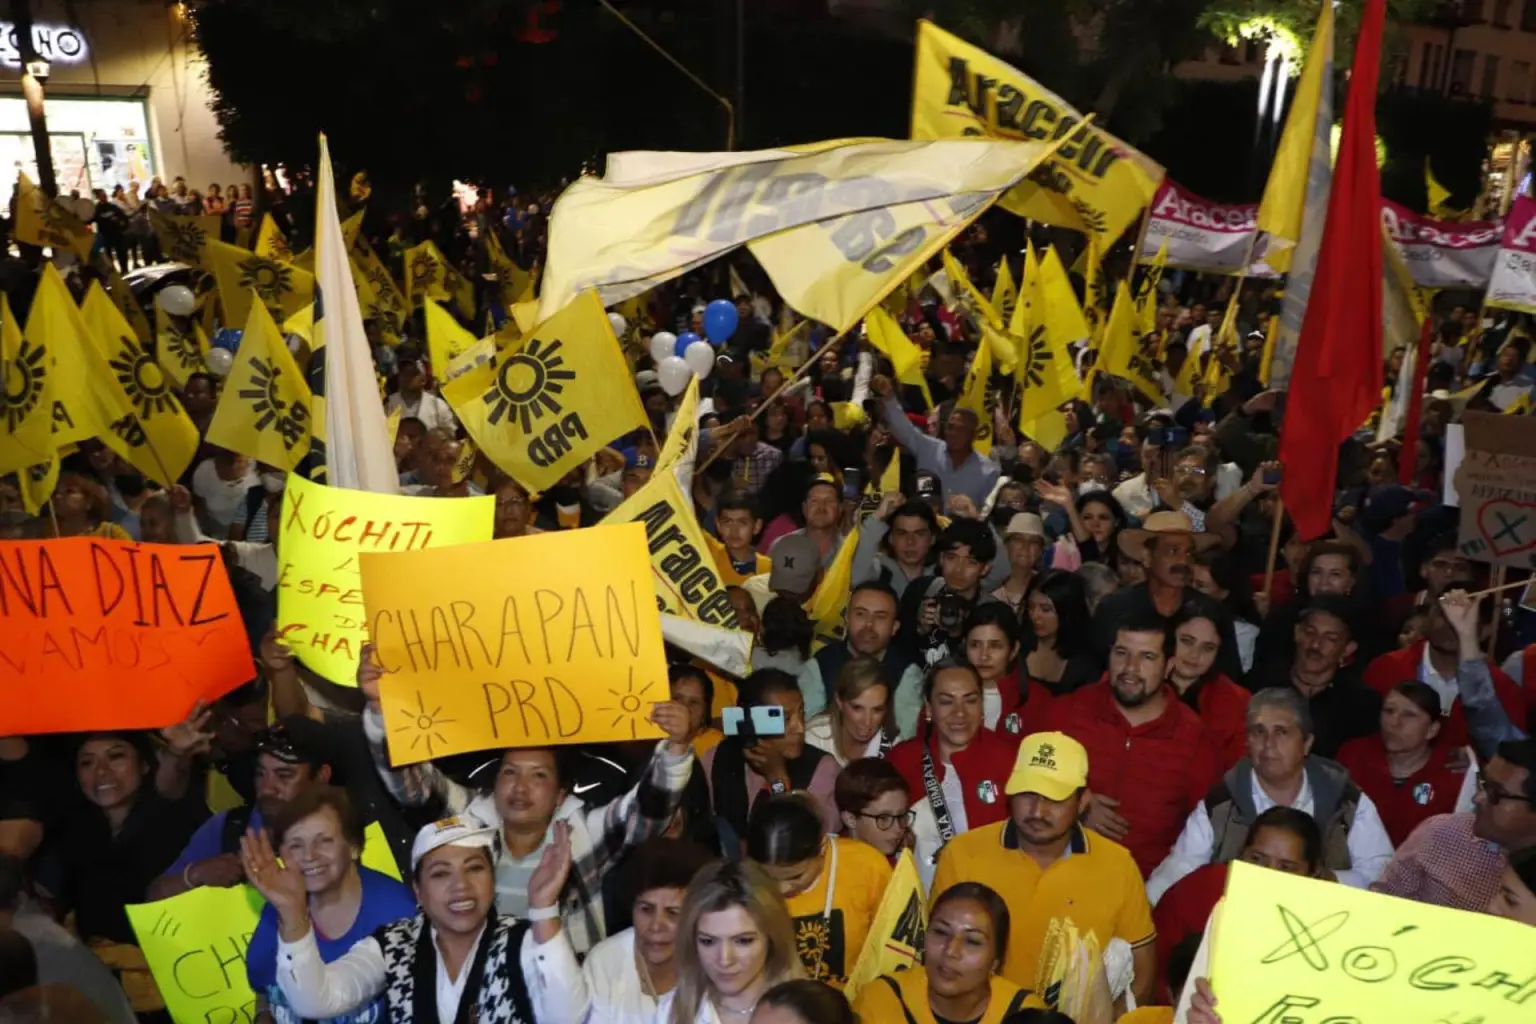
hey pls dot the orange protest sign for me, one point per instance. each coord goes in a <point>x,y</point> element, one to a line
<point>527,641</point>
<point>110,635</point>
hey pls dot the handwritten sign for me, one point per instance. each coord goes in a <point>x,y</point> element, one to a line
<point>1301,951</point>
<point>325,529</point>
<point>529,641</point>
<point>1496,485</point>
<point>105,634</point>
<point>195,945</point>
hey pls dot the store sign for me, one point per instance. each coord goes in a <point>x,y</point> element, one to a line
<point>56,44</point>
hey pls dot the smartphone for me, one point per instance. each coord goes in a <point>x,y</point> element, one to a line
<point>753,723</point>
<point>853,483</point>
<point>1271,476</point>
<point>1157,437</point>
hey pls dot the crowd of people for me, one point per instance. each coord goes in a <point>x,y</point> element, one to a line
<point>1074,683</point>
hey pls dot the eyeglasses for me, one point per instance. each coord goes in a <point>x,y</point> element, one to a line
<point>886,822</point>
<point>1189,471</point>
<point>1497,794</point>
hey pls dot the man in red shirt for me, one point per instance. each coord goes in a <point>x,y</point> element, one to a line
<point>1150,757</point>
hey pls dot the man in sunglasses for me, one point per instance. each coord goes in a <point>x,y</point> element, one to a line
<point>290,758</point>
<point>1458,860</point>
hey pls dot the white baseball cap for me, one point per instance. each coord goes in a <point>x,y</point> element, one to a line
<point>460,830</point>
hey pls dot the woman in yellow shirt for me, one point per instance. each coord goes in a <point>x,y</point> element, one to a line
<point>964,948</point>
<point>80,509</point>
<point>833,885</point>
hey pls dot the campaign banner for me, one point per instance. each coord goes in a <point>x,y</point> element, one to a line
<point>1442,254</point>
<point>1200,234</point>
<point>1513,282</point>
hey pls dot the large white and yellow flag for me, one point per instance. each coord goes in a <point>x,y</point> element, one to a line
<point>1095,183</point>
<point>835,224</point>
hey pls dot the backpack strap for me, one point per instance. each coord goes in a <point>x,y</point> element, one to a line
<point>896,991</point>
<point>236,819</point>
<point>1017,1002</point>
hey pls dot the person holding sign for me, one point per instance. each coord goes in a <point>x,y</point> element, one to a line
<point>961,979</point>
<point>321,834</point>
<point>531,798</point>
<point>833,885</point>
<point>455,960</point>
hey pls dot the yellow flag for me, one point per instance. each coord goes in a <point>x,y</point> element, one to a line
<point>831,598</point>
<point>54,322</point>
<point>301,323</point>
<point>985,311</point>
<point>1285,193</point>
<point>1146,292</point>
<point>973,396</point>
<point>1046,376</point>
<point>780,345</point>
<point>1270,333</point>
<point>886,335</point>
<point>37,484</point>
<point>1095,182</point>
<point>541,408</point>
<point>1065,322</point>
<point>179,349</point>
<point>680,449</point>
<point>46,223</point>
<point>271,242</point>
<point>428,275</point>
<point>182,237</point>
<point>895,939</point>
<point>1123,353</point>
<point>1520,406</point>
<point>283,288</point>
<point>683,570</point>
<point>1004,292</point>
<point>265,410</point>
<point>1098,290</point>
<point>446,340</point>
<point>1218,372</point>
<point>514,283</point>
<point>160,439</point>
<point>890,479</point>
<point>26,397</point>
<point>122,297</point>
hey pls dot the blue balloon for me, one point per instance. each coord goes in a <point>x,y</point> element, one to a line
<point>683,341</point>
<point>226,337</point>
<point>720,320</point>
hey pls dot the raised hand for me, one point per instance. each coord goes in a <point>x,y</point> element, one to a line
<point>190,735</point>
<point>548,879</point>
<point>280,884</point>
<point>672,718</point>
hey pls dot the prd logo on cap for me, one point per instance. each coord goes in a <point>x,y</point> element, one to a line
<point>444,824</point>
<point>1045,757</point>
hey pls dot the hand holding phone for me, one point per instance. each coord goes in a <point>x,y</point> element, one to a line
<point>753,723</point>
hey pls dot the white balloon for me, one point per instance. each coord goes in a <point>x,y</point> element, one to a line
<point>663,344</point>
<point>620,325</point>
<point>220,361</point>
<point>177,300</point>
<point>674,375</point>
<point>700,357</point>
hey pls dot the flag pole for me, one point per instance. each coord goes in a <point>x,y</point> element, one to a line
<point>1274,544</point>
<point>1493,634</point>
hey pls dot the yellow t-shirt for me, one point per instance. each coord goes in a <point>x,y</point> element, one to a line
<point>830,944</point>
<point>1096,885</point>
<point>877,1003</point>
<point>729,577</point>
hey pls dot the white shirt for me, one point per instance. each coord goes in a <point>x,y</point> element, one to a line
<point>1446,686</point>
<point>430,409</point>
<point>450,991</point>
<point>1369,846</point>
<point>319,990</point>
<point>954,797</point>
<point>221,498</point>
<point>991,708</point>
<point>614,985</point>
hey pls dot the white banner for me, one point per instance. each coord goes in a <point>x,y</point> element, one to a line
<point>1200,234</point>
<point>1513,285</point>
<point>1441,254</point>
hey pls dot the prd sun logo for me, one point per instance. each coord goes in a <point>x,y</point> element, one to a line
<point>271,279</point>
<point>183,348</point>
<point>142,381</point>
<point>423,273</point>
<point>290,419</point>
<point>22,385</point>
<point>526,385</point>
<point>186,238</point>
<point>59,225</point>
<point>1037,358</point>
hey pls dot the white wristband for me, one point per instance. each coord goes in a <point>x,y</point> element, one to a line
<point>544,913</point>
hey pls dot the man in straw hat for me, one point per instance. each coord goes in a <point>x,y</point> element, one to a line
<point>1166,544</point>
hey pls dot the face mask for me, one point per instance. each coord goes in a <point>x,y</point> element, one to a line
<point>273,482</point>
<point>1090,487</point>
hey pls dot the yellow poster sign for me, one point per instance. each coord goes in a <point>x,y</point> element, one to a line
<point>896,936</point>
<point>1292,948</point>
<point>686,580</point>
<point>1095,183</point>
<point>319,586</point>
<point>527,641</point>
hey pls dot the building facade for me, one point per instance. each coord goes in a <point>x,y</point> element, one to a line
<point>127,98</point>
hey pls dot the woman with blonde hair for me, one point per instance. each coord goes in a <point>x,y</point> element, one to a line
<point>735,941</point>
<point>860,720</point>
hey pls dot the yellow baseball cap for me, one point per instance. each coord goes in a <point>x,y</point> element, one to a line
<point>1051,764</point>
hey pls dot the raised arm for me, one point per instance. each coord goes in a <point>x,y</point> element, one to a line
<point>414,784</point>
<point>645,811</point>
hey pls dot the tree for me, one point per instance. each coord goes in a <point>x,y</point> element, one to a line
<point>1290,23</point>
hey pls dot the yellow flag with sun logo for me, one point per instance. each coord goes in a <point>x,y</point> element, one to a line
<point>283,288</point>
<point>827,605</point>
<point>264,410</point>
<point>973,396</point>
<point>542,406</point>
<point>271,242</point>
<point>26,397</point>
<point>122,297</point>
<point>514,283</point>
<point>54,325</point>
<point>45,222</point>
<point>429,275</point>
<point>183,237</point>
<point>181,346</point>
<point>160,439</point>
<point>446,339</point>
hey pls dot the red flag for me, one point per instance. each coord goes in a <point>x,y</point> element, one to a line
<point>1408,456</point>
<point>1337,377</point>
